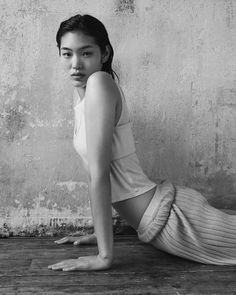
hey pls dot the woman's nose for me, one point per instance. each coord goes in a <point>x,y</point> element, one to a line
<point>76,62</point>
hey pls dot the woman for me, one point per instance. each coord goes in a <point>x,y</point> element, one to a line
<point>177,220</point>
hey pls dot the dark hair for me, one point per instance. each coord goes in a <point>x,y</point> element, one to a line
<point>90,26</point>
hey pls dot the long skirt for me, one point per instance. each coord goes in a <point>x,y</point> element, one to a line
<point>180,221</point>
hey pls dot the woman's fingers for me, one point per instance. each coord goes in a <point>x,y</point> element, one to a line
<point>68,239</point>
<point>82,263</point>
<point>62,241</point>
<point>81,240</point>
<point>62,264</point>
<point>58,266</point>
<point>67,265</point>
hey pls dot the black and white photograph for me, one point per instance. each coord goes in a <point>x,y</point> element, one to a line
<point>118,147</point>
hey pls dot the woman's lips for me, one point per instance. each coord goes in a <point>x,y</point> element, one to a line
<point>77,76</point>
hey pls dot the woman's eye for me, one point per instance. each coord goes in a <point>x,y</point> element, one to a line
<point>87,54</point>
<point>66,54</point>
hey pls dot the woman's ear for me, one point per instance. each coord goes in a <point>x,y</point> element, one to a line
<point>106,54</point>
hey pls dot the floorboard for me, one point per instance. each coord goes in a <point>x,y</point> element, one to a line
<point>138,269</point>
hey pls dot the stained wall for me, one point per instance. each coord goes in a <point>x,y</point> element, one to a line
<point>177,66</point>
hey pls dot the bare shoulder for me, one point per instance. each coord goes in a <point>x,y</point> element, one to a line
<point>100,77</point>
<point>100,85</point>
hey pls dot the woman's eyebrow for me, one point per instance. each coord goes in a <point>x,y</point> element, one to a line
<point>66,48</point>
<point>81,48</point>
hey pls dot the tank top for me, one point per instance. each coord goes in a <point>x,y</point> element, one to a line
<point>126,175</point>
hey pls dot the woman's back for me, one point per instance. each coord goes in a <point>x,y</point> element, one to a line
<point>127,177</point>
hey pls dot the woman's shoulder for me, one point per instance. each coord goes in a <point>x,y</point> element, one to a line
<point>100,76</point>
<point>100,83</point>
<point>102,80</point>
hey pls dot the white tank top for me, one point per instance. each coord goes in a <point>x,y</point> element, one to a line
<point>127,177</point>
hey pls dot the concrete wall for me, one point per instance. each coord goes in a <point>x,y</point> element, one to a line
<point>177,65</point>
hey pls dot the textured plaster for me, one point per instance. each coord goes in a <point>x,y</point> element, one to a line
<point>177,66</point>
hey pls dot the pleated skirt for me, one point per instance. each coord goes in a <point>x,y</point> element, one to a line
<point>180,221</point>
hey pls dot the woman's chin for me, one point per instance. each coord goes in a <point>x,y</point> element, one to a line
<point>78,83</point>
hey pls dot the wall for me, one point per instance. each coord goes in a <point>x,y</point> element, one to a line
<point>176,62</point>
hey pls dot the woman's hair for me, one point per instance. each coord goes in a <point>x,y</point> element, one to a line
<point>90,26</point>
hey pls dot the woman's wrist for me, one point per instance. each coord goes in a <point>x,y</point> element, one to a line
<point>106,260</point>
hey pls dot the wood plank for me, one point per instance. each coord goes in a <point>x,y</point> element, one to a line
<point>187,283</point>
<point>88,291</point>
<point>138,269</point>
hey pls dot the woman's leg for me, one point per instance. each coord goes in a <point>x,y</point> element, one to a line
<point>197,231</point>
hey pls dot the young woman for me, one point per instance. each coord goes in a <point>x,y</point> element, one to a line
<point>177,220</point>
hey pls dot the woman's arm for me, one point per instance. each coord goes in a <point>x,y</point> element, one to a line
<point>100,107</point>
<point>101,100</point>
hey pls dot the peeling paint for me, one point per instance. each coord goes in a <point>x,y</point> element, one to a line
<point>14,120</point>
<point>226,97</point>
<point>71,185</point>
<point>36,122</point>
<point>56,227</point>
<point>126,6</point>
<point>5,231</point>
<point>230,12</point>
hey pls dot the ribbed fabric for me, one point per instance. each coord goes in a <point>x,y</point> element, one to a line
<point>181,222</point>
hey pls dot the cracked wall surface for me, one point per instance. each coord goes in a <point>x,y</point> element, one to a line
<point>177,66</point>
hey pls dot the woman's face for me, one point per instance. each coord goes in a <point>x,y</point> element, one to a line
<point>80,57</point>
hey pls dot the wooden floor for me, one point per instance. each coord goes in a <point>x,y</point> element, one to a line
<point>138,269</point>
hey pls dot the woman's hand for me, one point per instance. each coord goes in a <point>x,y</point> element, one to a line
<point>82,263</point>
<point>78,240</point>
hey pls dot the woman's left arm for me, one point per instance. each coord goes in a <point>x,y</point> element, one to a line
<point>101,99</point>
<point>100,109</point>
